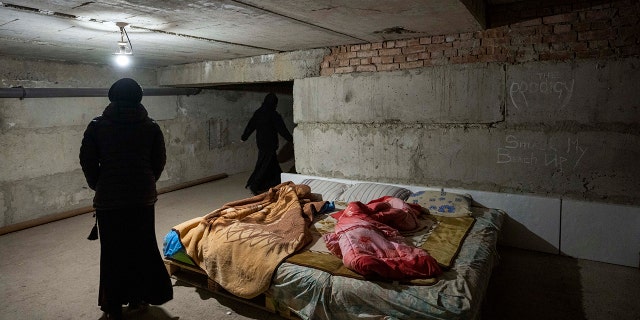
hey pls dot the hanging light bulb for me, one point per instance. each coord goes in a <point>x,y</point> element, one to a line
<point>125,49</point>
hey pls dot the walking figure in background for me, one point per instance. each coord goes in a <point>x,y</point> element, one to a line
<point>267,123</point>
<point>122,156</point>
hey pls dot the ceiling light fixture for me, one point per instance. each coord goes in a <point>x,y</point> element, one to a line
<point>125,49</point>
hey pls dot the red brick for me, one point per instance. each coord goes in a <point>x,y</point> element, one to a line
<point>399,59</point>
<point>581,26</point>
<point>630,51</point>
<point>354,47</point>
<point>437,54</point>
<point>541,47</point>
<point>343,63</point>
<point>496,32</point>
<point>412,57</point>
<point>354,62</point>
<point>627,35</point>
<point>564,37</point>
<point>365,60</point>
<point>466,36</point>
<point>561,28</point>
<point>567,17</point>
<point>376,46</point>
<point>424,56</point>
<point>586,55</point>
<point>491,50</point>
<point>425,40</point>
<point>495,41</point>
<point>401,43</point>
<point>438,47</point>
<point>467,43</point>
<point>464,51</point>
<point>604,14</point>
<point>599,25</point>
<point>451,38</point>
<point>578,46</point>
<point>343,49</point>
<point>346,55</point>
<point>437,39</point>
<point>334,64</point>
<point>368,53</point>
<point>365,46</point>
<point>390,44</point>
<point>345,69</point>
<point>390,52</point>
<point>386,60</point>
<point>544,29</point>
<point>525,41</point>
<point>598,44</point>
<point>413,42</point>
<point>327,71</point>
<point>526,54</point>
<point>450,52</point>
<point>413,49</point>
<point>595,35</point>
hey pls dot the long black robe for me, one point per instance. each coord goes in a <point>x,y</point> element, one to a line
<point>267,123</point>
<point>122,156</point>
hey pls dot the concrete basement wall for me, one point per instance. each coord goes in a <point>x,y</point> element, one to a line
<point>544,102</point>
<point>543,109</point>
<point>40,138</point>
<point>544,128</point>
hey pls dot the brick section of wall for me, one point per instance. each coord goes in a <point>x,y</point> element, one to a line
<point>543,31</point>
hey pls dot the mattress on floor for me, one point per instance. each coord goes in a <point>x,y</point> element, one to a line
<point>313,293</point>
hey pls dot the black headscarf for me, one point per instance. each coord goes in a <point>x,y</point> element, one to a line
<point>125,89</point>
<point>270,101</point>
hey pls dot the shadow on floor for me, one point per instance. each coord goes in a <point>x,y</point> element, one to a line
<point>533,285</point>
<point>245,308</point>
<point>152,313</point>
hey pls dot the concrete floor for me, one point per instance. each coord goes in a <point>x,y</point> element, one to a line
<point>52,271</point>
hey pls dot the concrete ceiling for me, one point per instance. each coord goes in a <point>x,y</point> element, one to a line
<point>173,32</point>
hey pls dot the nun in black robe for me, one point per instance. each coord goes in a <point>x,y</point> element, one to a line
<point>267,123</point>
<point>122,156</point>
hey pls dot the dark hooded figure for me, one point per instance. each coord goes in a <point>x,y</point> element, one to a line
<point>122,156</point>
<point>267,123</point>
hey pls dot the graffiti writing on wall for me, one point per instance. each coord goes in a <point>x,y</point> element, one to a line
<point>547,88</point>
<point>562,155</point>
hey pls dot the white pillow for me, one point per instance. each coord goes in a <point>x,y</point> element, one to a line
<point>365,192</point>
<point>441,203</point>
<point>330,190</point>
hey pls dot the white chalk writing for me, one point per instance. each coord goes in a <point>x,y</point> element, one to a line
<point>545,153</point>
<point>547,86</point>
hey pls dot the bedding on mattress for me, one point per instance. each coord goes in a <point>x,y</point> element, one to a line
<point>312,293</point>
<point>314,284</point>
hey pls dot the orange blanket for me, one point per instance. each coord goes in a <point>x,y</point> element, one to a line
<point>242,243</point>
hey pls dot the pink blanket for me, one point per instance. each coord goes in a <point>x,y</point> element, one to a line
<point>368,241</point>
